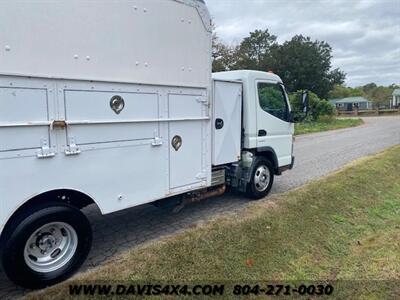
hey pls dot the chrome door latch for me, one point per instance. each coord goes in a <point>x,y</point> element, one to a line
<point>45,150</point>
<point>72,148</point>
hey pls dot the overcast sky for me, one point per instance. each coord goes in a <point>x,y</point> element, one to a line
<point>364,34</point>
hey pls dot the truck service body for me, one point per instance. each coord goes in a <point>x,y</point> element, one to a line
<point>114,104</point>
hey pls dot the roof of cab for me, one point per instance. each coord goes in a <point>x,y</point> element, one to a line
<point>246,74</point>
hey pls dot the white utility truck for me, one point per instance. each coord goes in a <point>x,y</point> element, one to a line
<point>113,103</point>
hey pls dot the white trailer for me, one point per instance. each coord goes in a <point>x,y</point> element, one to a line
<point>114,104</point>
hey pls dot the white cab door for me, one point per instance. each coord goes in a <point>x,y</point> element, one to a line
<point>273,129</point>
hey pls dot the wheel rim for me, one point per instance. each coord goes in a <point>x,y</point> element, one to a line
<point>261,178</point>
<point>50,247</point>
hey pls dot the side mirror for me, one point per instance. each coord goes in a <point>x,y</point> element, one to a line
<point>300,115</point>
<point>304,101</point>
<point>291,117</point>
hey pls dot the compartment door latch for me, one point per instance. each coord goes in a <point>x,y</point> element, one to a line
<point>45,150</point>
<point>72,148</point>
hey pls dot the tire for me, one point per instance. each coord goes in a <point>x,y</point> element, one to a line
<point>46,245</point>
<point>262,179</point>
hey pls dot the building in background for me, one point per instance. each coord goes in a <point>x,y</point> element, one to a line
<point>396,98</point>
<point>351,103</point>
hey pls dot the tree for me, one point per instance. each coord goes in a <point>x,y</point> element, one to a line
<point>254,52</point>
<point>316,107</point>
<point>300,62</point>
<point>380,96</point>
<point>369,87</point>
<point>394,86</point>
<point>305,64</point>
<point>341,91</point>
<point>222,55</point>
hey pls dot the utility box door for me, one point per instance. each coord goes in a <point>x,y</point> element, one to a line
<point>94,122</point>
<point>227,121</point>
<point>188,115</point>
<point>24,119</point>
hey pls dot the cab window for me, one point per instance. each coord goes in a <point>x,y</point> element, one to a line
<point>272,100</point>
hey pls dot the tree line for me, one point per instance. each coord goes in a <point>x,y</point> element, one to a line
<point>379,95</point>
<point>303,64</point>
<point>300,62</point>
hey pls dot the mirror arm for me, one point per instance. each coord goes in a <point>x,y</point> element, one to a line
<point>290,118</point>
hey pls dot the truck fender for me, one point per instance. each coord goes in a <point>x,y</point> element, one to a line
<point>74,197</point>
<point>270,154</point>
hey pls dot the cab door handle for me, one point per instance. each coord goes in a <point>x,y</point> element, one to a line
<point>262,132</point>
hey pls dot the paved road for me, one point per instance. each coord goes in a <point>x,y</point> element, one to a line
<point>316,155</point>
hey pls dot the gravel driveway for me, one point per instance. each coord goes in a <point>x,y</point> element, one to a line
<point>316,155</point>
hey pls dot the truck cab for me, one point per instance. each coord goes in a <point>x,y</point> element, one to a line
<point>266,131</point>
<point>267,120</point>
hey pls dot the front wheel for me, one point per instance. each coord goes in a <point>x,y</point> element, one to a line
<point>47,245</point>
<point>262,178</point>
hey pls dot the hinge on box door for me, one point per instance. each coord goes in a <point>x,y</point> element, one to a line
<point>45,151</point>
<point>58,124</point>
<point>72,148</point>
<point>157,141</point>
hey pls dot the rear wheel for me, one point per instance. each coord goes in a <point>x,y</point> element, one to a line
<point>47,245</point>
<point>262,178</point>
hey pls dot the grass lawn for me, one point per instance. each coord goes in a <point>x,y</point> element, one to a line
<point>344,228</point>
<point>324,125</point>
